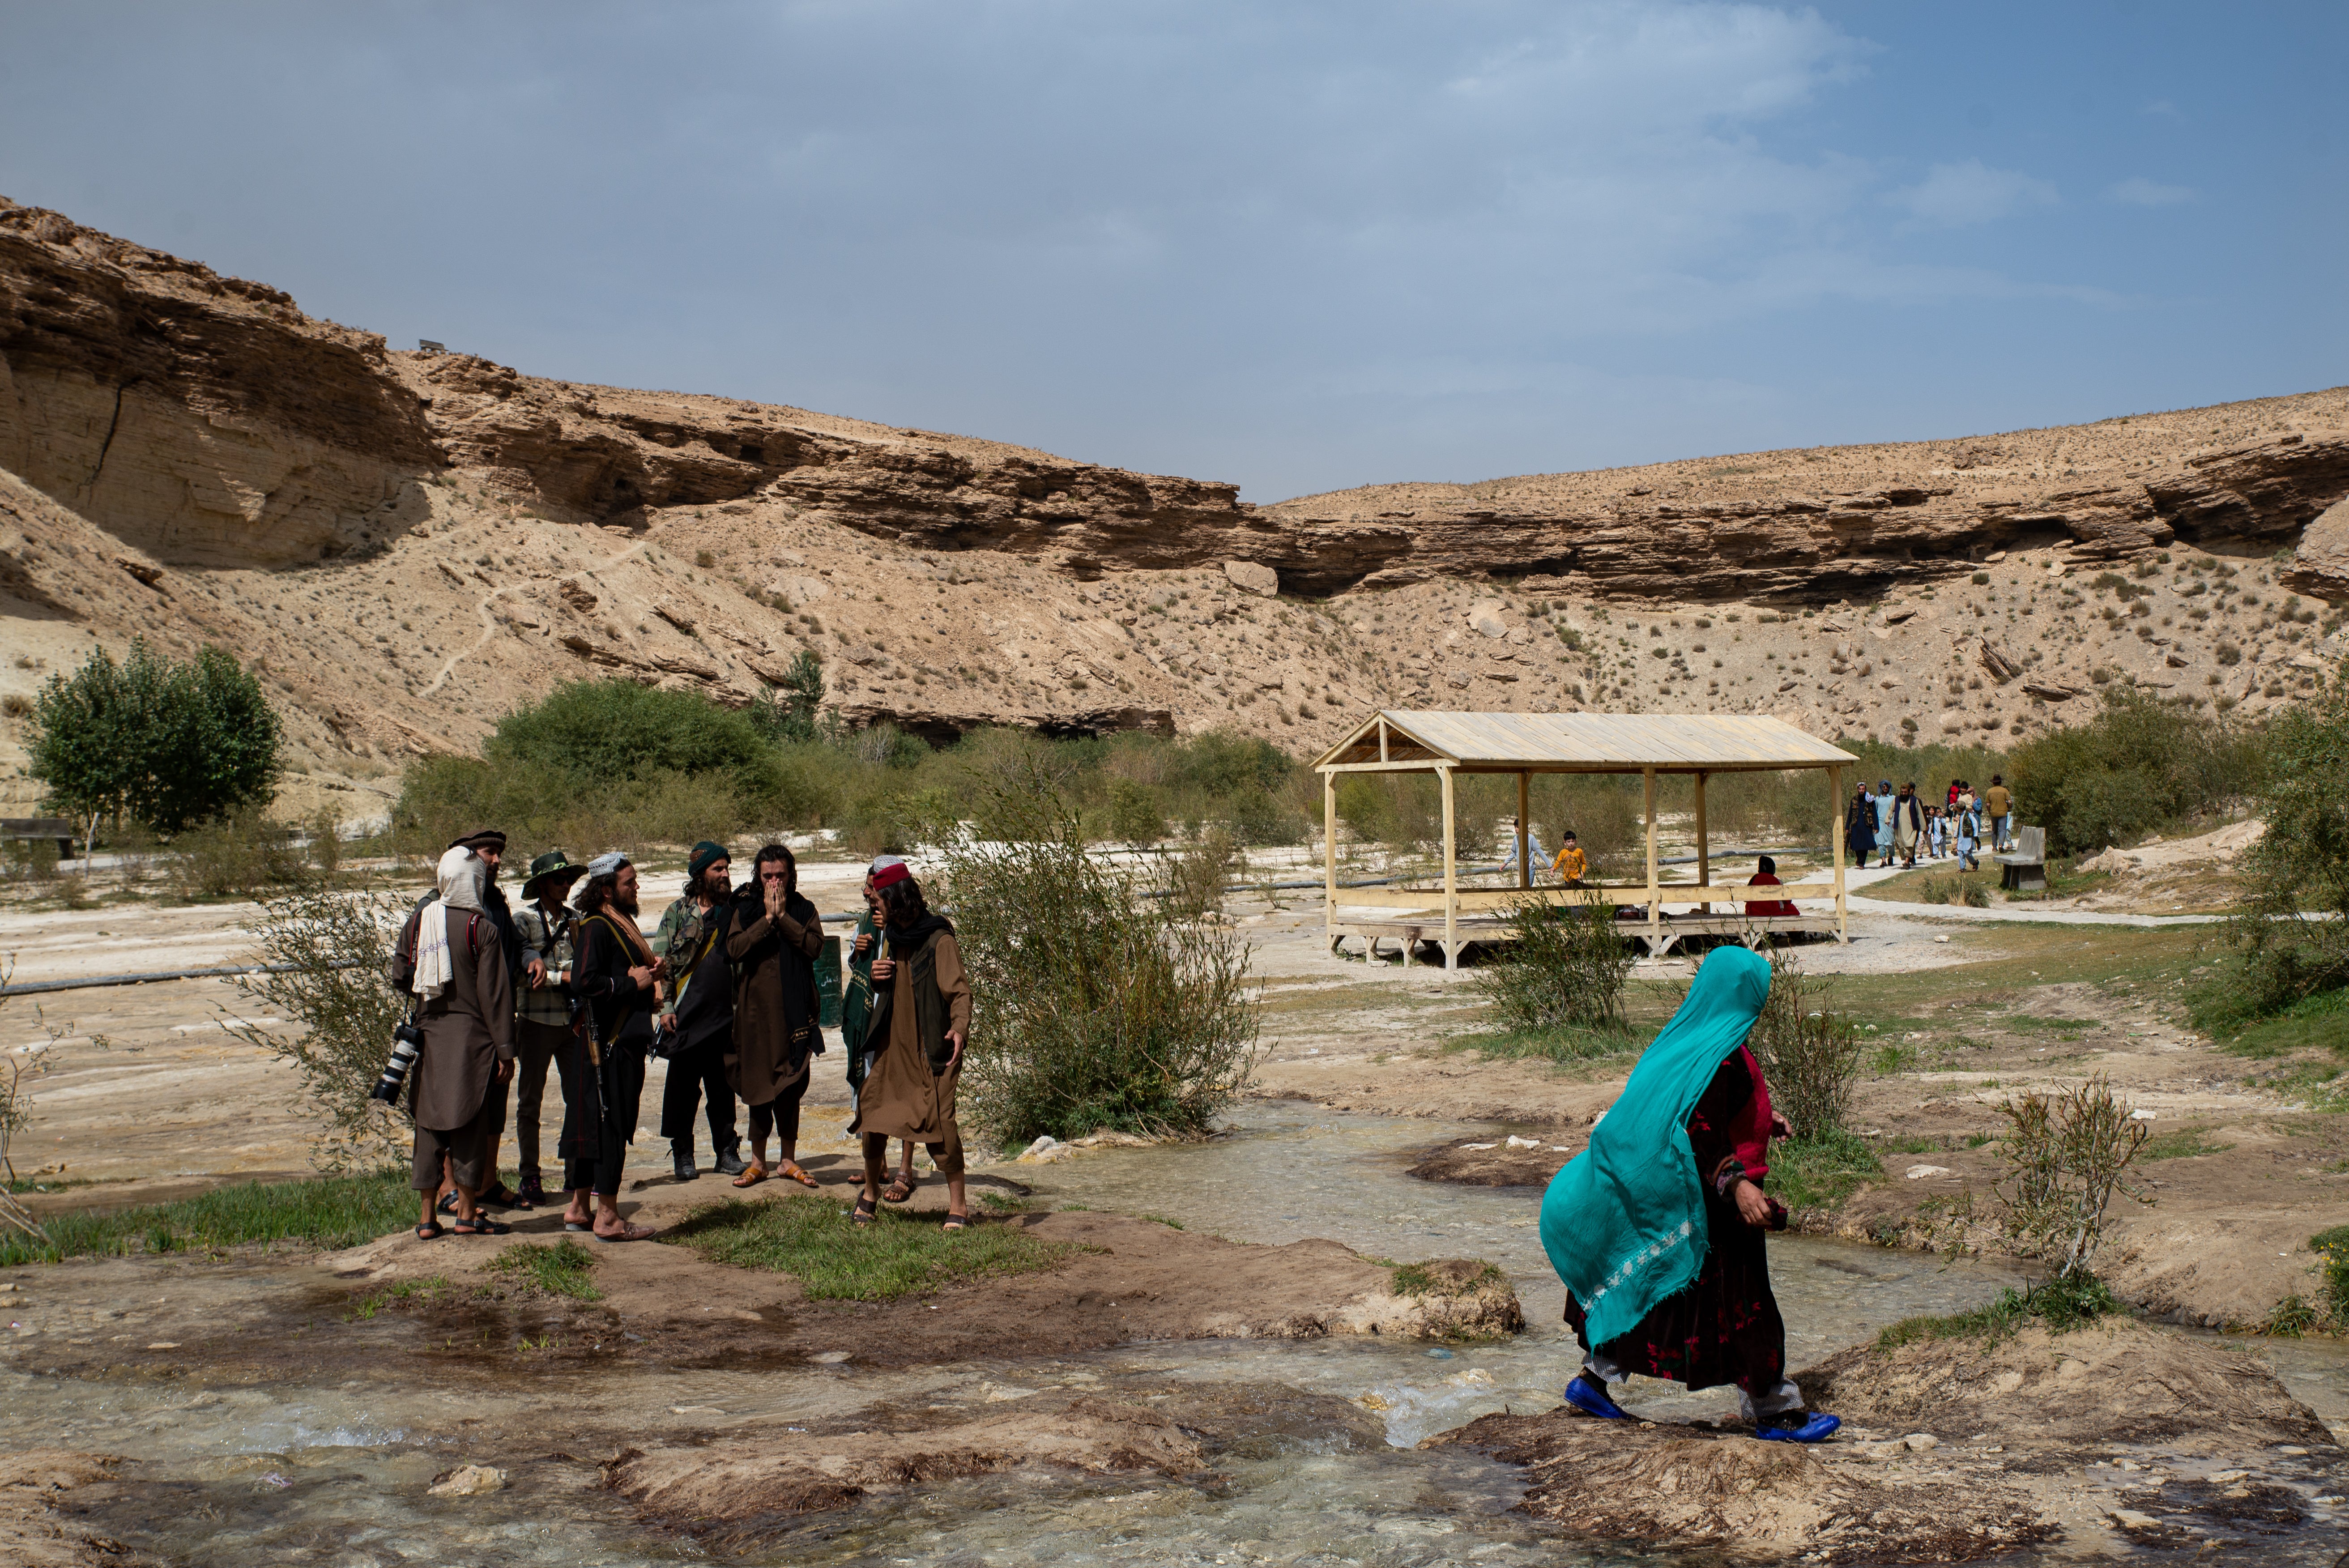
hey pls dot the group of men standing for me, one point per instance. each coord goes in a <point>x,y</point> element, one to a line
<point>725,991</point>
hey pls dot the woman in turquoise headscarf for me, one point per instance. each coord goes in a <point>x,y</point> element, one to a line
<point>1657,1227</point>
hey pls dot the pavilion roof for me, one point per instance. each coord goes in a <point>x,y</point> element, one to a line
<point>1584,742</point>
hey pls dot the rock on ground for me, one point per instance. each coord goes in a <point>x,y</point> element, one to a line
<point>1956,1450</point>
<point>1173,1432</point>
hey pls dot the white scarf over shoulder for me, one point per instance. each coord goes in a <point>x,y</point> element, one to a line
<point>462,874</point>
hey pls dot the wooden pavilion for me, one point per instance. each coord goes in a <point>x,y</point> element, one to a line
<point>1525,744</point>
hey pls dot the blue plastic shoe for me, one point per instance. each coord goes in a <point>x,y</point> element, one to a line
<point>1816,1426</point>
<point>1591,1400</point>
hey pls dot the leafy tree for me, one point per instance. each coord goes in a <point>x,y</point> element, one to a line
<point>2137,767</point>
<point>790,712</point>
<point>166,743</point>
<point>2300,866</point>
<point>592,733</point>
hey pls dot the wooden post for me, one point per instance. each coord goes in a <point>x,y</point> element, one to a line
<point>1704,852</point>
<point>1451,878</point>
<point>1330,858</point>
<point>1655,898</point>
<point>1525,838</point>
<point>1835,831</point>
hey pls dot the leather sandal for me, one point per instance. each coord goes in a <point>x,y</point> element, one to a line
<point>431,1232</point>
<point>754,1174</point>
<point>863,1214</point>
<point>626,1232</point>
<point>899,1189</point>
<point>790,1168</point>
<point>956,1221</point>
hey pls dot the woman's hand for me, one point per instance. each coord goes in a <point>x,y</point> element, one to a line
<point>1752,1206</point>
<point>1780,1127</point>
<point>884,970</point>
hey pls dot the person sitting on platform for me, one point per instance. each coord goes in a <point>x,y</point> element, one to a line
<point>1766,875</point>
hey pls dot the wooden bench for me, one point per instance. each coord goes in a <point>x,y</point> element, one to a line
<point>32,829</point>
<point>2023,868</point>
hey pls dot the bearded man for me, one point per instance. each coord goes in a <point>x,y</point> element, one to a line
<point>451,959</point>
<point>526,970</point>
<point>700,1016</point>
<point>603,1073</point>
<point>771,944</point>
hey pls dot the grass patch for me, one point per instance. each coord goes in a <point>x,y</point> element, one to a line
<point>1448,1276</point>
<point>430,1289</point>
<point>327,1213</point>
<point>899,1255</point>
<point>1821,1172</point>
<point>1563,1044</point>
<point>2312,1023</point>
<point>2060,1305</point>
<point>47,1184</point>
<point>2186,1143</point>
<point>557,1270</point>
<point>1168,1221</point>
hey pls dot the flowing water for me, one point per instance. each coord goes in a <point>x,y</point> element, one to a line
<point>330,1469</point>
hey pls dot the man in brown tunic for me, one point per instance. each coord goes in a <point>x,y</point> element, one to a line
<point>921,1016</point>
<point>772,941</point>
<point>455,964</point>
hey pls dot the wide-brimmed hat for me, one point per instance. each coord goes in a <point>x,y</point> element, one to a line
<point>549,867</point>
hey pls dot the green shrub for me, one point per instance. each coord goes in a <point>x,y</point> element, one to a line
<point>1095,1007</point>
<point>336,951</point>
<point>240,856</point>
<point>600,732</point>
<point>2299,869</point>
<point>2144,764</point>
<point>1809,1056</point>
<point>1565,968</point>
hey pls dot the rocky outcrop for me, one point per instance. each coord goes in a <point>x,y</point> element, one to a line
<point>202,418</point>
<point>2319,567</point>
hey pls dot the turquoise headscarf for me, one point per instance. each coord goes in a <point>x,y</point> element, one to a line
<point>1624,1223</point>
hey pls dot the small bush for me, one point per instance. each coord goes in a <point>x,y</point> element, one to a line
<point>164,743</point>
<point>337,950</point>
<point>1565,970</point>
<point>1809,1056</point>
<point>2068,1155</point>
<point>242,856</point>
<point>1094,1007</point>
<point>1195,878</point>
<point>2333,1247</point>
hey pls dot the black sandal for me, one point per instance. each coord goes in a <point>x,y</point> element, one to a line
<point>430,1233</point>
<point>956,1221</point>
<point>899,1189</point>
<point>864,1212</point>
<point>480,1225</point>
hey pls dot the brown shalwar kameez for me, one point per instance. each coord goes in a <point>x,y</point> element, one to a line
<point>468,1029</point>
<point>775,1010</point>
<point>910,1091</point>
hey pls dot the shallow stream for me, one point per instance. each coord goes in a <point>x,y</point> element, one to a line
<point>331,1468</point>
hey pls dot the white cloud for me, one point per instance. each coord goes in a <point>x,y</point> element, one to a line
<point>1955,195</point>
<point>2139,191</point>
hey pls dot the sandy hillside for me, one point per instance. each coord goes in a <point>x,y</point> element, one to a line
<point>407,543</point>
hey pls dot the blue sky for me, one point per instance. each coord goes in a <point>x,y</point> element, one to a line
<point>1299,247</point>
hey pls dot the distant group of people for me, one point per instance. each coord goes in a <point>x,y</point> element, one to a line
<point>1901,824</point>
<point>725,991</point>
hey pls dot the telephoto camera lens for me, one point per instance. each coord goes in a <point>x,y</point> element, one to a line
<point>404,1042</point>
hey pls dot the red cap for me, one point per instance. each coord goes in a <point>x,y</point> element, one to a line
<point>890,876</point>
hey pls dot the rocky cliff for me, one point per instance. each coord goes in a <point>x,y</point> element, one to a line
<point>408,543</point>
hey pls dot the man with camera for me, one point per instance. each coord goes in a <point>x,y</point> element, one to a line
<point>453,959</point>
<point>699,1026</point>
